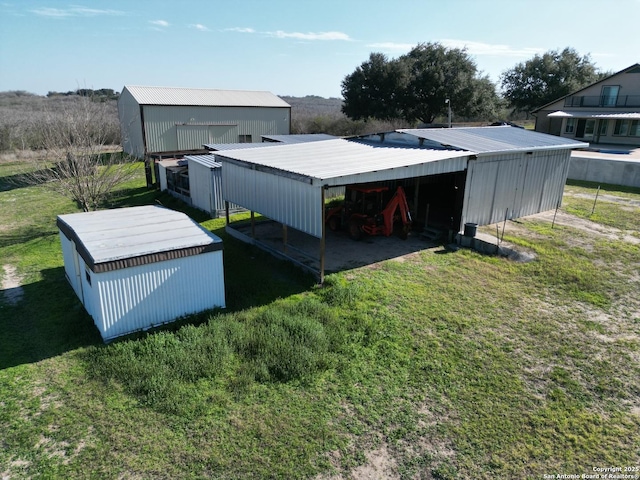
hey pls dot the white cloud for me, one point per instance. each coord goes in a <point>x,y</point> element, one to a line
<point>74,11</point>
<point>239,30</point>
<point>199,26</point>
<point>497,50</point>
<point>391,46</point>
<point>311,35</point>
<point>159,23</point>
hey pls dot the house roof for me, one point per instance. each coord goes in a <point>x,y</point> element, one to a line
<point>339,158</point>
<point>605,115</point>
<point>126,237</point>
<point>631,69</point>
<point>494,140</point>
<point>206,97</point>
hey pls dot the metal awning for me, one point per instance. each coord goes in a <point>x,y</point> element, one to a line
<point>602,115</point>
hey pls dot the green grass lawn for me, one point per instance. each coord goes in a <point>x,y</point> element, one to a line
<point>440,365</point>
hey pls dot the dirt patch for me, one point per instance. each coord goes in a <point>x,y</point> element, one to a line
<point>596,229</point>
<point>11,290</point>
<point>380,464</point>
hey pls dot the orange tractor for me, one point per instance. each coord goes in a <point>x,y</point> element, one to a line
<point>364,212</point>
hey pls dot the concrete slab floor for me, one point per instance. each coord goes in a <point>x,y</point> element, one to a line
<point>341,252</point>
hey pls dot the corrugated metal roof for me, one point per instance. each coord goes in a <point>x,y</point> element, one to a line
<point>216,147</point>
<point>207,97</point>
<point>300,138</point>
<point>206,160</point>
<point>605,115</point>
<point>337,158</point>
<point>491,140</point>
<point>119,235</point>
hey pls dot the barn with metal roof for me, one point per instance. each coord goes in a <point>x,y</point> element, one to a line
<point>451,176</point>
<point>161,121</point>
<point>134,268</point>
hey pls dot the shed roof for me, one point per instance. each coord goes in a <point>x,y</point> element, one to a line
<point>205,160</point>
<point>125,237</point>
<point>494,140</point>
<point>216,147</point>
<point>334,159</point>
<point>206,97</point>
<point>299,138</point>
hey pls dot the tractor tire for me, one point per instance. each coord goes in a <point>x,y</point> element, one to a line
<point>403,233</point>
<point>355,233</point>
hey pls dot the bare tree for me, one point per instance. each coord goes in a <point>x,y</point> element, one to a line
<point>78,158</point>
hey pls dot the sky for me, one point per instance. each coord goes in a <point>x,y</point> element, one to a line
<point>288,47</point>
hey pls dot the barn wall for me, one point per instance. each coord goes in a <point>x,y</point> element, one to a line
<point>130,125</point>
<point>514,185</point>
<point>173,128</point>
<point>283,199</point>
<point>136,298</point>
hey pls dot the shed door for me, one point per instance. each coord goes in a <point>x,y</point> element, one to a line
<point>193,137</point>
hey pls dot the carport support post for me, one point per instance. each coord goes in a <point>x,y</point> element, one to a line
<point>253,225</point>
<point>322,238</point>
<point>284,237</point>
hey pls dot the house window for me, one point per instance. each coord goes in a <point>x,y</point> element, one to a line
<point>602,128</point>
<point>609,96</point>
<point>627,127</point>
<point>244,139</point>
<point>589,127</point>
<point>571,125</point>
<point>621,128</point>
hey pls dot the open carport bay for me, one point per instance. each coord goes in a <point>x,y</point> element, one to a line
<point>341,252</point>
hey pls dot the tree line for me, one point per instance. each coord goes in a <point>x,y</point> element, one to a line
<point>423,84</point>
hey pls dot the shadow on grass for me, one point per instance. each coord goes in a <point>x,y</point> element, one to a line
<point>47,320</point>
<point>12,182</point>
<point>23,235</point>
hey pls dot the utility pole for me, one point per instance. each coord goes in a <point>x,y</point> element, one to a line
<point>449,105</point>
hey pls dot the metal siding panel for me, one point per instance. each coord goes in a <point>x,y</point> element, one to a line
<point>285,200</point>
<point>555,180</point>
<point>130,125</point>
<point>510,174</point>
<point>199,186</point>
<point>137,298</point>
<point>480,184</point>
<point>526,184</point>
<point>191,137</point>
<point>161,121</point>
<point>537,166</point>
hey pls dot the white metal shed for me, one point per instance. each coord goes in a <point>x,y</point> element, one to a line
<point>134,268</point>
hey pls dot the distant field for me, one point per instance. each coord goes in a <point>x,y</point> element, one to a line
<point>434,365</point>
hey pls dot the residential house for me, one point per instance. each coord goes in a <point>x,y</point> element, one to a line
<point>606,112</point>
